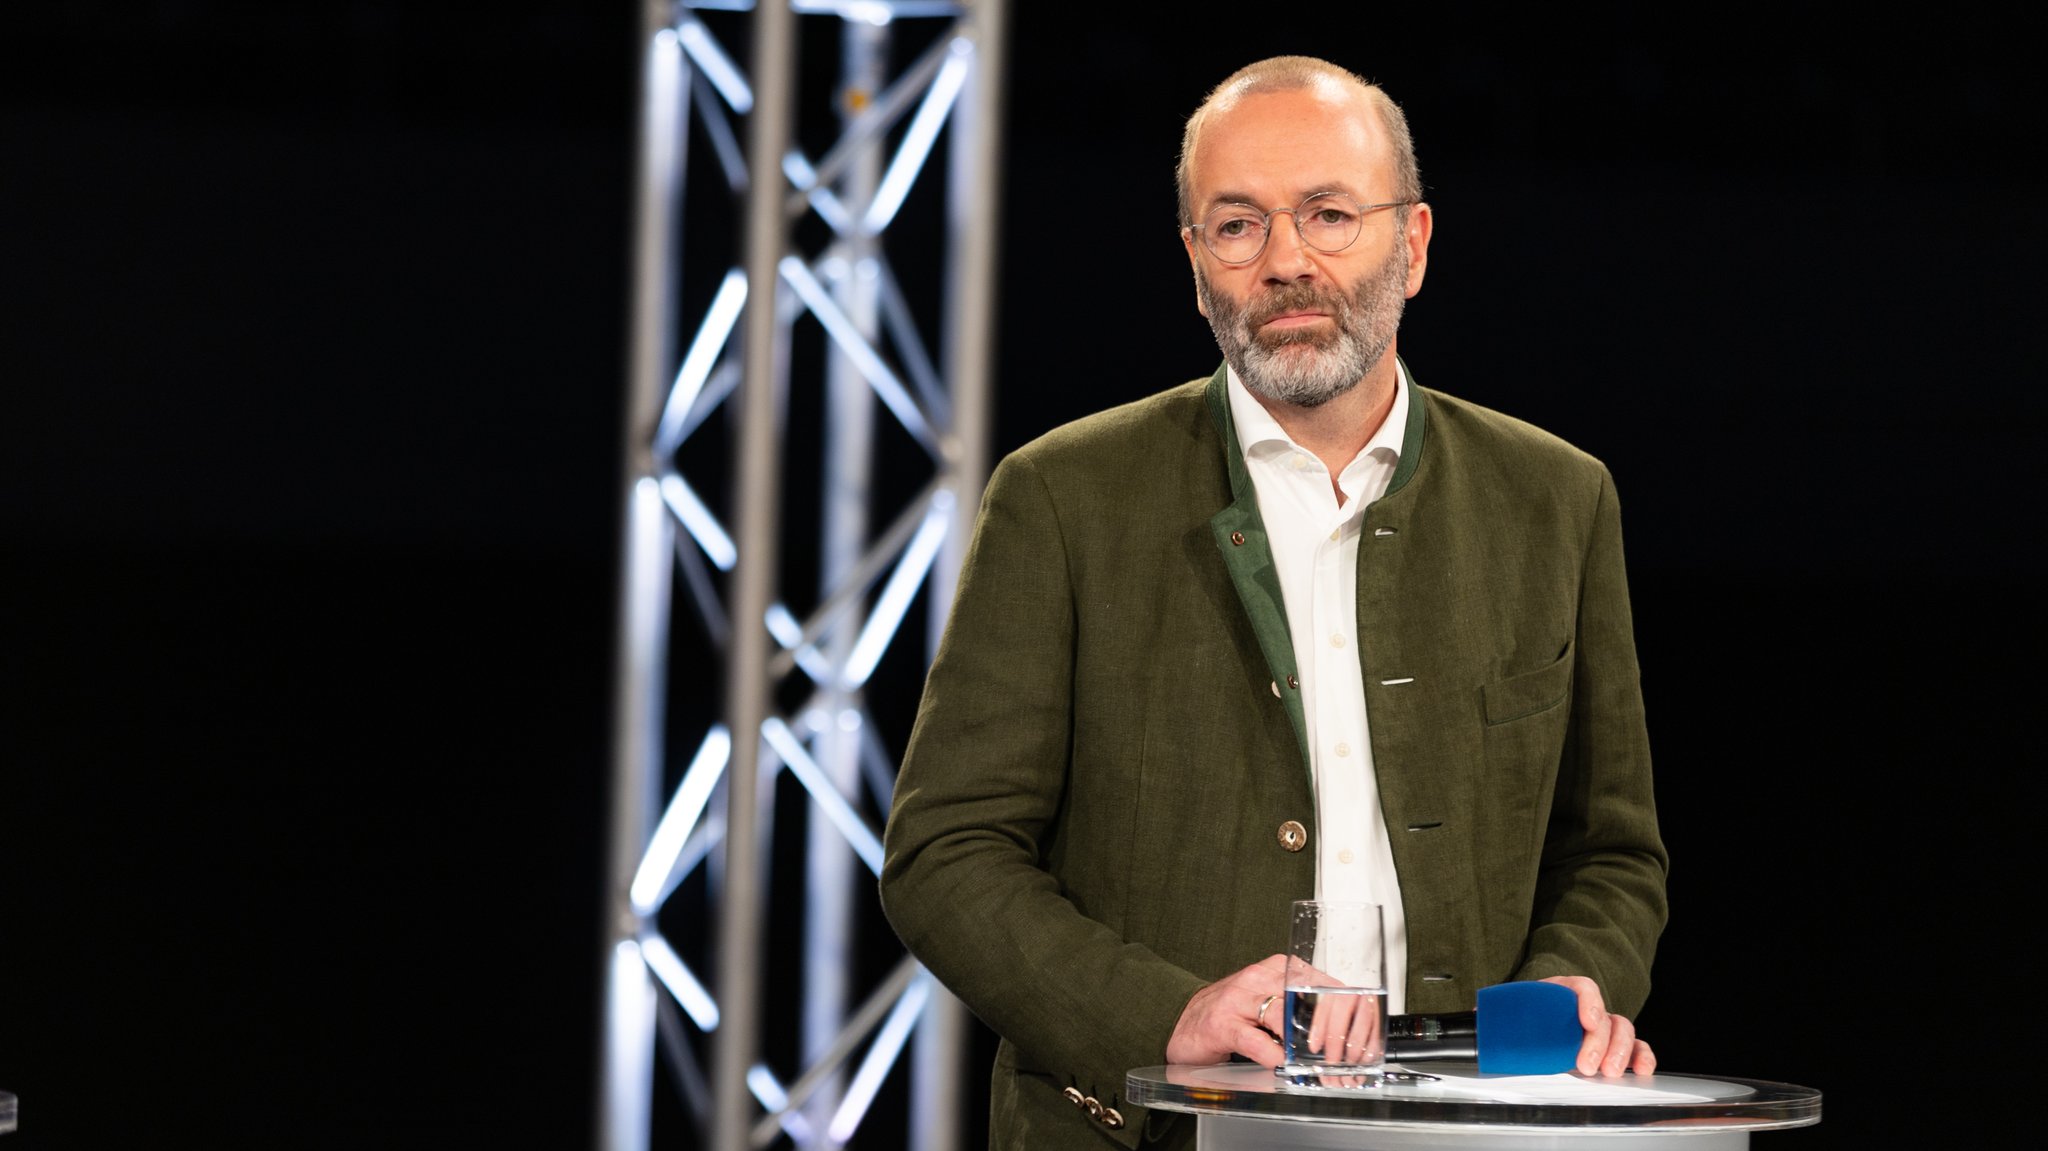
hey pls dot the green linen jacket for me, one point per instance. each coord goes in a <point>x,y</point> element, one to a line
<point>1086,828</point>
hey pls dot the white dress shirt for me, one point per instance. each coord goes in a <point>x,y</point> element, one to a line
<point>1315,554</point>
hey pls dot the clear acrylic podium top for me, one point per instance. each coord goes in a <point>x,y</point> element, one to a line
<point>1462,1108</point>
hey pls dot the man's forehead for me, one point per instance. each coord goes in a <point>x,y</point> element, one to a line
<point>1288,145</point>
<point>1269,196</point>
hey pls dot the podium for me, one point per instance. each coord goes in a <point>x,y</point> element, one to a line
<point>1244,1107</point>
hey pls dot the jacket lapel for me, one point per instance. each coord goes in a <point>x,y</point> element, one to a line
<point>1240,536</point>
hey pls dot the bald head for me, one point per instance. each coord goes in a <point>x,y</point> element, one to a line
<point>1295,74</point>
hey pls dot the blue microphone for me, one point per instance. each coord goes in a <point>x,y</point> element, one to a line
<point>1523,1028</point>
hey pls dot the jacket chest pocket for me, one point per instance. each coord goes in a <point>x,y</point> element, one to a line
<point>1526,721</point>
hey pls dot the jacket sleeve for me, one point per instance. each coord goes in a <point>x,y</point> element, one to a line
<point>1600,894</point>
<point>974,836</point>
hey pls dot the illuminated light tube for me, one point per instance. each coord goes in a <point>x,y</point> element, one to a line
<point>790,634</point>
<point>798,276</point>
<point>718,67</point>
<point>858,834</point>
<point>884,110</point>
<point>868,12</point>
<point>765,1087</point>
<point>675,975</point>
<point>712,336</point>
<point>680,819</point>
<point>762,1083</point>
<point>699,522</point>
<point>629,1036</point>
<point>857,9</point>
<point>648,578</point>
<point>662,132</point>
<point>783,626</point>
<point>881,1057</point>
<point>902,587</point>
<point>823,200</point>
<point>919,138</point>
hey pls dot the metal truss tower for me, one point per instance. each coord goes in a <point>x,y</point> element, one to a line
<point>753,985</point>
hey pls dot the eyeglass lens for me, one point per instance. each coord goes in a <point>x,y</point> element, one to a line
<point>1237,232</point>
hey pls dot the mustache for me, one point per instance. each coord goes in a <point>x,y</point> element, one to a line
<point>1297,298</point>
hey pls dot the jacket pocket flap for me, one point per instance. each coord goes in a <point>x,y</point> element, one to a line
<point>1530,692</point>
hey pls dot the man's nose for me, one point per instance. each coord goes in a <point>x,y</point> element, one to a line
<point>1287,255</point>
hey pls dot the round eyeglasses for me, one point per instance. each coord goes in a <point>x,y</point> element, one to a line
<point>1326,221</point>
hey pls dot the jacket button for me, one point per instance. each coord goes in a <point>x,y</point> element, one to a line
<point>1294,683</point>
<point>1293,836</point>
<point>1112,1119</point>
<point>1275,685</point>
<point>1073,1096</point>
<point>1237,539</point>
<point>1093,1106</point>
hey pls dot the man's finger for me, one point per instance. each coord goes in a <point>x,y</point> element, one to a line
<point>1258,1045</point>
<point>1621,1045</point>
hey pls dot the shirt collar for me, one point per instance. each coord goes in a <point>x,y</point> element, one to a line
<point>1256,426</point>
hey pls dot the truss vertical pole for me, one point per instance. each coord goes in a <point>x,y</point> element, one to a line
<point>646,546</point>
<point>973,222</point>
<point>844,495</point>
<point>757,472</point>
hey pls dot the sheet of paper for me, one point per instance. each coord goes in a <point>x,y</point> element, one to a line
<point>1561,1088</point>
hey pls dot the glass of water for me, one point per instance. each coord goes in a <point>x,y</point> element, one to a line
<point>1334,1030</point>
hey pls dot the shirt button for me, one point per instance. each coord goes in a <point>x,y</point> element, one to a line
<point>1336,640</point>
<point>1344,856</point>
<point>1343,749</point>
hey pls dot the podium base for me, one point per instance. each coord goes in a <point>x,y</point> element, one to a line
<point>1238,1133</point>
<point>1453,1107</point>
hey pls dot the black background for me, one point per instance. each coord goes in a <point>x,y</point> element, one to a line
<point>310,378</point>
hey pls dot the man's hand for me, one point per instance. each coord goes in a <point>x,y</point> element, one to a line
<point>1224,1018</point>
<point>1610,1046</point>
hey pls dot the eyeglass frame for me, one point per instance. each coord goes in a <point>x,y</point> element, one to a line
<point>1266,223</point>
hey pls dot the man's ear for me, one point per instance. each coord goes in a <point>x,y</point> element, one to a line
<point>1421,223</point>
<point>1187,240</point>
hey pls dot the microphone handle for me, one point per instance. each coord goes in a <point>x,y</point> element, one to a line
<point>1406,1050</point>
<point>1451,1025</point>
<point>1450,1036</point>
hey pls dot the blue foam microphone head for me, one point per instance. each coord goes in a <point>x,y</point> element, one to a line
<point>1528,1028</point>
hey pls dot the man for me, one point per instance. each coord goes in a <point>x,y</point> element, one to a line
<point>1302,629</point>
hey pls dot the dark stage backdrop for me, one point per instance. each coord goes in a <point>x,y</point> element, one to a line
<point>309,395</point>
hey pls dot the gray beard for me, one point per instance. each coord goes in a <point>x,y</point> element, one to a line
<point>1309,368</point>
